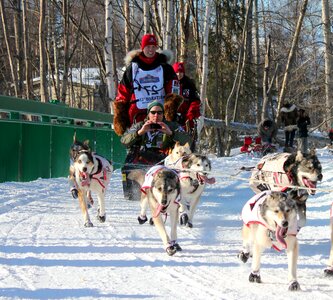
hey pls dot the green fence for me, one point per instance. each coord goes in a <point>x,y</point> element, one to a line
<point>36,137</point>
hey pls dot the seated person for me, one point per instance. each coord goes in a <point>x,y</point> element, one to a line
<point>267,130</point>
<point>150,141</point>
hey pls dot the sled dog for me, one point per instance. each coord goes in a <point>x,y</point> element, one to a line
<point>280,171</point>
<point>161,191</point>
<point>193,179</point>
<point>91,173</point>
<point>270,220</point>
<point>177,153</point>
<point>329,270</point>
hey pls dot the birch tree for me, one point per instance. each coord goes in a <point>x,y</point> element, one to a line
<point>146,20</point>
<point>328,58</point>
<point>109,76</point>
<point>26,50</point>
<point>42,54</point>
<point>9,47</point>
<point>290,60</point>
<point>203,86</point>
<point>127,15</point>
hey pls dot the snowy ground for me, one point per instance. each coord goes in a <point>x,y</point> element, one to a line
<point>46,253</point>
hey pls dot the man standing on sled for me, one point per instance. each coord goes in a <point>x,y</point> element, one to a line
<point>147,77</point>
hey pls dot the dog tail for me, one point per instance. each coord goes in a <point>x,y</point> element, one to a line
<point>74,137</point>
<point>137,175</point>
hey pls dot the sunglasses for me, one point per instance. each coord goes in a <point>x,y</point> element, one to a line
<point>154,112</point>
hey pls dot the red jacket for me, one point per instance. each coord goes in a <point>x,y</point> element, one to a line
<point>126,92</point>
<point>190,108</point>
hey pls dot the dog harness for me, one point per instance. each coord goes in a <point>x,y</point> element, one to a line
<point>251,215</point>
<point>149,177</point>
<point>277,180</point>
<point>103,169</point>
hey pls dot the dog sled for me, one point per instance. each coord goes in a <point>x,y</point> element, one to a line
<point>255,147</point>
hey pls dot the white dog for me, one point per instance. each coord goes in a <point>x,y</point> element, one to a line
<point>92,173</point>
<point>193,179</point>
<point>270,220</point>
<point>161,191</point>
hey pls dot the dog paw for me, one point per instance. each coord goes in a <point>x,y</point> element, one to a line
<point>189,224</point>
<point>243,256</point>
<point>151,221</point>
<point>294,286</point>
<point>178,248</point>
<point>75,193</point>
<point>328,271</point>
<point>255,277</point>
<point>183,219</point>
<point>88,224</point>
<point>101,219</point>
<point>142,220</point>
<point>171,250</point>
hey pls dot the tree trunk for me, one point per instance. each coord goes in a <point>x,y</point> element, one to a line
<point>42,54</point>
<point>264,110</point>
<point>127,25</point>
<point>291,59</point>
<point>328,59</point>
<point>146,19</point>
<point>9,48</point>
<point>169,24</point>
<point>18,45</point>
<point>203,87</point>
<point>256,59</point>
<point>65,24</point>
<point>27,56</point>
<point>108,50</point>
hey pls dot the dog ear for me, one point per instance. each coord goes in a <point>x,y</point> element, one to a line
<point>120,119</point>
<point>312,152</point>
<point>299,156</point>
<point>171,105</point>
<point>74,137</point>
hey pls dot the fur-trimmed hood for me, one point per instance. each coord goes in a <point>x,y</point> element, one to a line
<point>288,108</point>
<point>165,56</point>
<point>171,105</point>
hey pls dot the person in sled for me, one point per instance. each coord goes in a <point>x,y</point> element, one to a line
<point>148,143</point>
<point>189,111</point>
<point>147,77</point>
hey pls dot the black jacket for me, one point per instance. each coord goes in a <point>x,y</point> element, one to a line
<point>302,124</point>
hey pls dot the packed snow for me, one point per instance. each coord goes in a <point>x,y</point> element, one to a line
<point>47,253</point>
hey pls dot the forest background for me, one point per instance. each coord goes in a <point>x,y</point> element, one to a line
<point>248,57</point>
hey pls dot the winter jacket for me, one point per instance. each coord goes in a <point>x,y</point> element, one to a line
<point>152,147</point>
<point>302,124</point>
<point>267,134</point>
<point>289,117</point>
<point>190,108</point>
<point>145,79</point>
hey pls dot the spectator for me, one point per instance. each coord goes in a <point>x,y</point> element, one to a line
<point>289,120</point>
<point>149,142</point>
<point>147,77</point>
<point>303,122</point>
<point>330,135</point>
<point>267,130</point>
<point>189,110</point>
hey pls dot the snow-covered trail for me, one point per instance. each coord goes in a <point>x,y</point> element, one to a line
<point>46,253</point>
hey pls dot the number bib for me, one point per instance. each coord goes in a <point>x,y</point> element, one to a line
<point>148,85</point>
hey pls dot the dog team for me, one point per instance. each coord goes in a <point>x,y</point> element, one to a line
<point>271,219</point>
<point>155,110</point>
